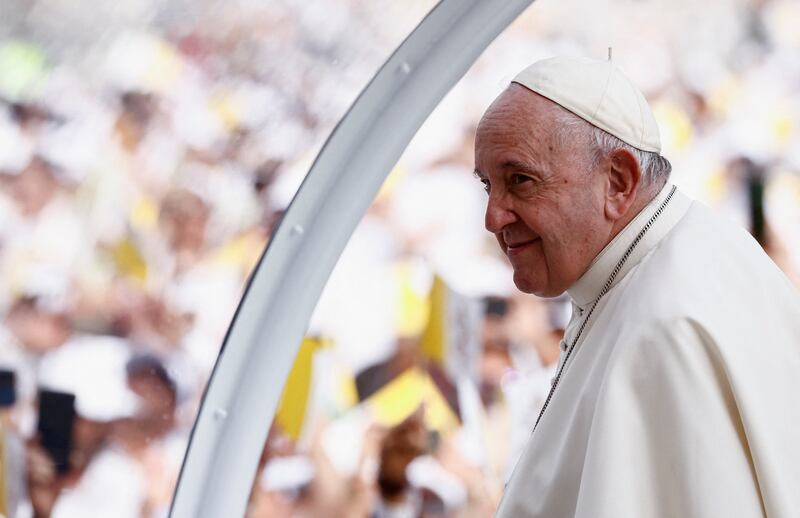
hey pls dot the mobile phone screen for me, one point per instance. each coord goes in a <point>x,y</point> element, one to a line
<point>56,417</point>
<point>8,392</point>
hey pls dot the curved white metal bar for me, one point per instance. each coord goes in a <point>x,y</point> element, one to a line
<point>247,382</point>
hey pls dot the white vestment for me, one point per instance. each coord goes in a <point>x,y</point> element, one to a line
<point>681,397</point>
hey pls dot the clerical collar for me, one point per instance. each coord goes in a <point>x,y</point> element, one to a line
<point>588,287</point>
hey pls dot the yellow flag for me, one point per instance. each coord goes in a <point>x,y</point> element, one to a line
<point>129,261</point>
<point>399,398</point>
<point>451,338</point>
<point>292,409</point>
<point>3,475</point>
<point>411,305</point>
<point>433,341</point>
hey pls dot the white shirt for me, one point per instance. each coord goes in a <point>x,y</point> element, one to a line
<point>112,485</point>
<point>679,398</point>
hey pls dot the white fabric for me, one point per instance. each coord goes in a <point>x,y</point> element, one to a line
<point>598,92</point>
<point>524,393</point>
<point>112,485</point>
<point>92,367</point>
<point>12,464</point>
<point>426,472</point>
<point>680,396</point>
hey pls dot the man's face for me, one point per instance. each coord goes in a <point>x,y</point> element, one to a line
<point>546,198</point>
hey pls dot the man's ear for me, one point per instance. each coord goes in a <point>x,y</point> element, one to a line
<point>624,179</point>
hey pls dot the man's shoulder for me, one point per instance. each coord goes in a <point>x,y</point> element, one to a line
<point>706,270</point>
<point>675,272</point>
<point>704,255</point>
<point>708,278</point>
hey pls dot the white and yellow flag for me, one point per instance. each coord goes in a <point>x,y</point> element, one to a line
<point>452,337</point>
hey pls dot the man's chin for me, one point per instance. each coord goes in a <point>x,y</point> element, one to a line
<point>527,285</point>
<point>534,287</point>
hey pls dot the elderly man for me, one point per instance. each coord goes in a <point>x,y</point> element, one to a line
<point>676,391</point>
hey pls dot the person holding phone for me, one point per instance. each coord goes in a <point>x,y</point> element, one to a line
<point>12,449</point>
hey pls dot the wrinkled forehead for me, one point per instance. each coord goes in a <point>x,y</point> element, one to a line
<point>518,117</point>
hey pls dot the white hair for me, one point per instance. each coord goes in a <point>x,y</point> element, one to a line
<point>655,168</point>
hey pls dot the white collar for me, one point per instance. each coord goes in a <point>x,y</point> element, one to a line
<point>588,287</point>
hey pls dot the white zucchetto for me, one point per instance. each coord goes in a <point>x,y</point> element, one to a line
<point>597,92</point>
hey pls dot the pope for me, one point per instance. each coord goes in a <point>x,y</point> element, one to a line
<point>676,390</point>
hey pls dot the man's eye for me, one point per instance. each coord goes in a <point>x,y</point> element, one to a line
<point>518,179</point>
<point>486,186</point>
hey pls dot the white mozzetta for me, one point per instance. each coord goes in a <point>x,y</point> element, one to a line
<point>680,398</point>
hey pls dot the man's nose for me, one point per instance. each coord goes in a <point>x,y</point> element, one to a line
<point>498,214</point>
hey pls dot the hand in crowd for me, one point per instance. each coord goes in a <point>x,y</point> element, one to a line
<point>44,483</point>
<point>401,445</point>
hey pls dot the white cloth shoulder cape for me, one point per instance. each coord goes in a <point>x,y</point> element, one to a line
<point>682,396</point>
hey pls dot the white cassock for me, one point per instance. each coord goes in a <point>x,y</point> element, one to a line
<point>681,396</point>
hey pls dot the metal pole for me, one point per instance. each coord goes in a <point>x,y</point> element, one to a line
<point>247,381</point>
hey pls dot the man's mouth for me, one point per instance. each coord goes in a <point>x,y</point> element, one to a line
<point>519,247</point>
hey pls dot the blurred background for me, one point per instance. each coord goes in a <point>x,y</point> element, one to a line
<point>147,151</point>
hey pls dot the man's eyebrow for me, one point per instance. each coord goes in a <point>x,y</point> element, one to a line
<point>518,166</point>
<point>477,174</point>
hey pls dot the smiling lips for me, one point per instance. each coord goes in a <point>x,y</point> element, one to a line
<point>513,249</point>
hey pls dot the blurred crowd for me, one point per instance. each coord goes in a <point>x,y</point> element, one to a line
<point>147,153</point>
